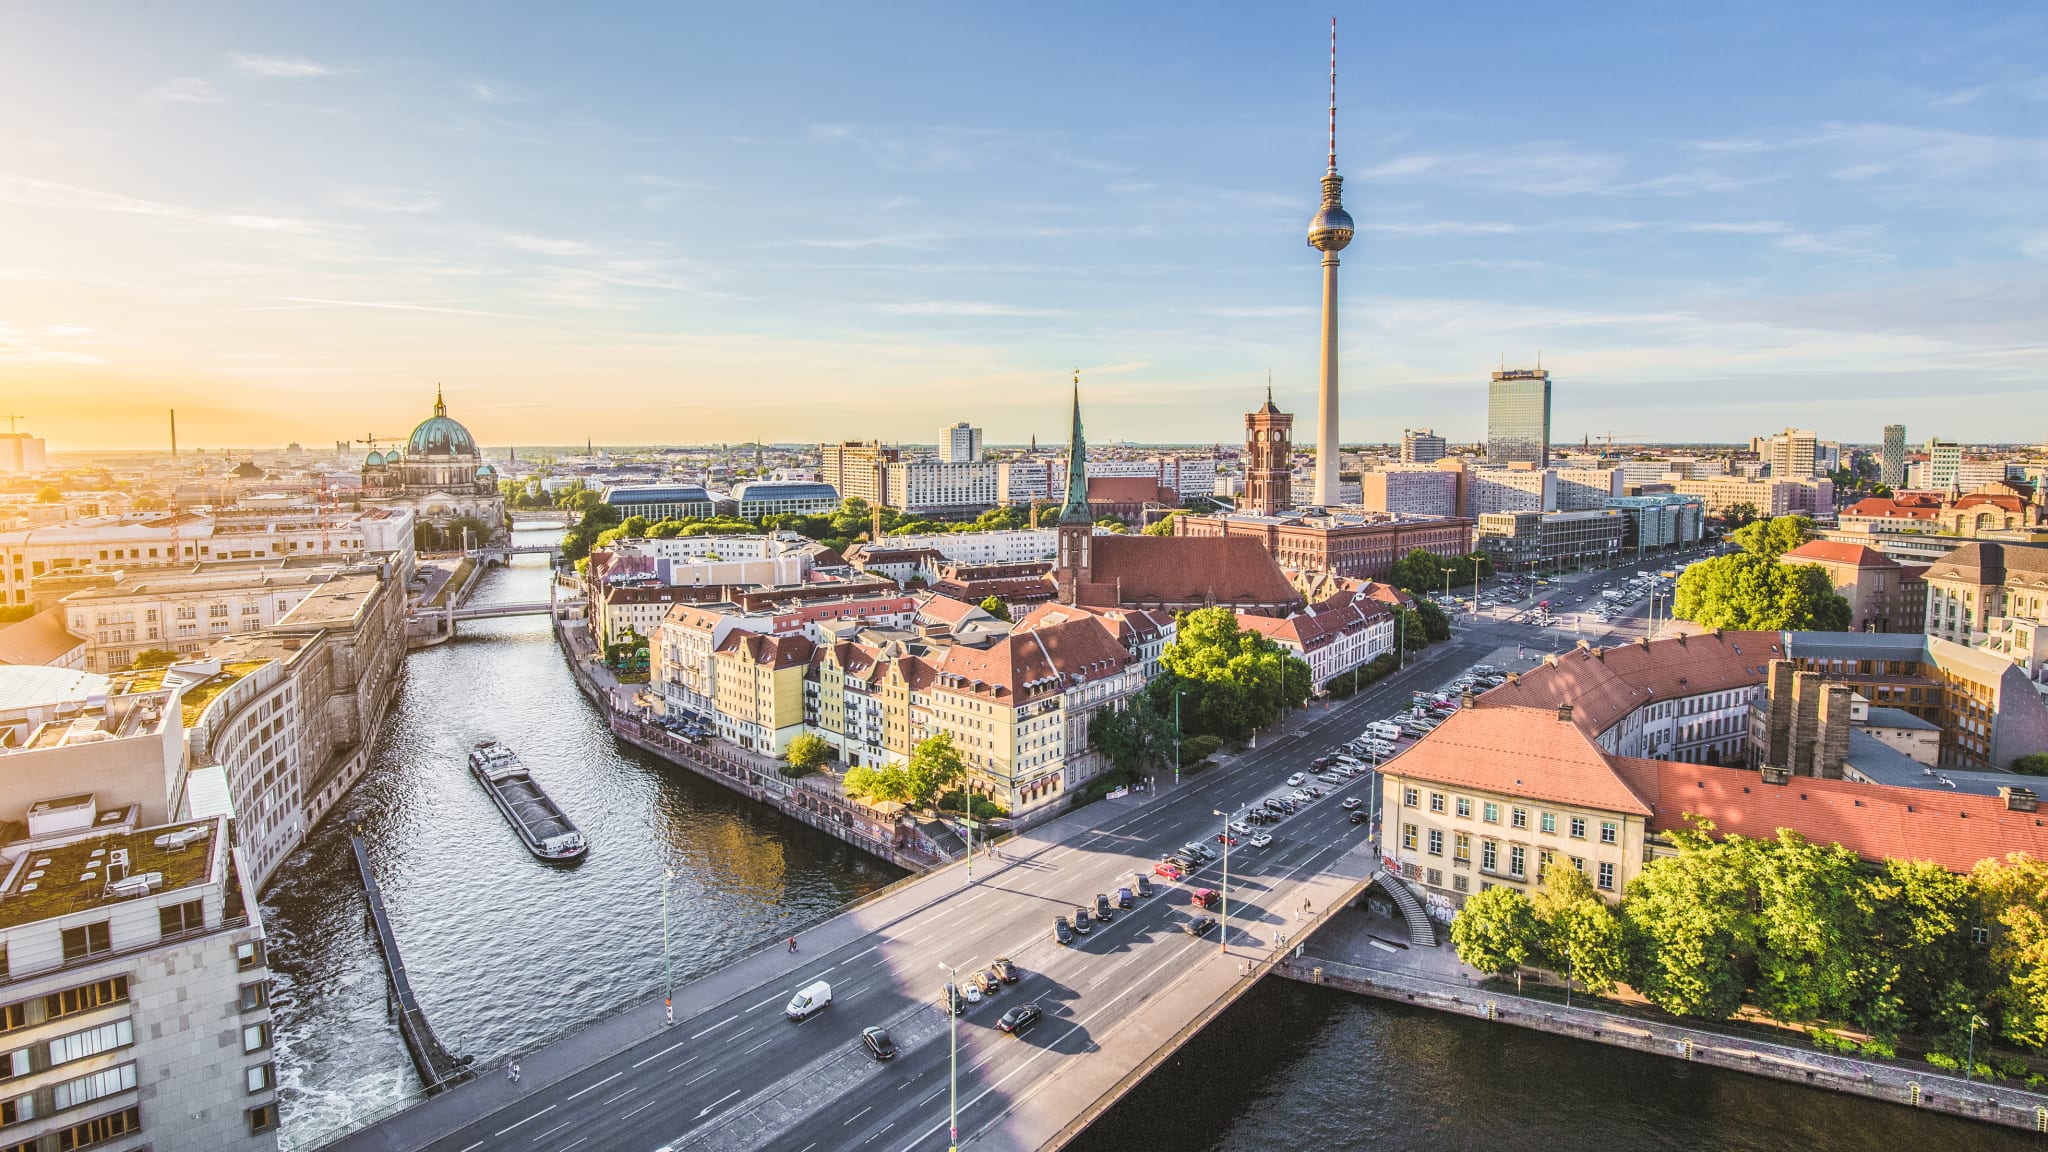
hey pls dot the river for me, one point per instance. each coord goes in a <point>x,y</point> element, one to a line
<point>505,951</point>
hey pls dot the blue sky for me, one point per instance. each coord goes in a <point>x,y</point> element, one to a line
<point>665,223</point>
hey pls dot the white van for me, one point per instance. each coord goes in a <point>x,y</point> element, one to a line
<point>812,999</point>
<point>1384,731</point>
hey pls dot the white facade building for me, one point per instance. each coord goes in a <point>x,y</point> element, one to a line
<point>959,443</point>
<point>1511,490</point>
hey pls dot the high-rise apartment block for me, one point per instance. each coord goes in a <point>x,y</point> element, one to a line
<point>960,444</point>
<point>1944,465</point>
<point>1791,454</point>
<point>1518,417</point>
<point>1268,460</point>
<point>21,452</point>
<point>1421,446</point>
<point>854,468</point>
<point>1892,463</point>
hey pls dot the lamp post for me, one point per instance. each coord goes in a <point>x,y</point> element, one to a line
<point>1176,735</point>
<point>1970,1065</point>
<point>953,1057</point>
<point>668,968</point>
<point>1223,921</point>
<point>1570,967</point>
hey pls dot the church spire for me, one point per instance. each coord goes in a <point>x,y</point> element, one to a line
<point>440,409</point>
<point>1075,509</point>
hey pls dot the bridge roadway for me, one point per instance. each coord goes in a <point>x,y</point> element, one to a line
<point>733,1073</point>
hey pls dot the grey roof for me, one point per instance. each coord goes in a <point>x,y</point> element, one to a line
<point>1856,645</point>
<point>1989,562</point>
<point>630,494</point>
<point>41,686</point>
<point>1900,718</point>
<point>1884,764</point>
<point>784,490</point>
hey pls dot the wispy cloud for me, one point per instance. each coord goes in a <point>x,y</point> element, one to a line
<point>280,67</point>
<point>1958,99</point>
<point>492,93</point>
<point>1542,168</point>
<point>388,200</point>
<point>184,90</point>
<point>964,308</point>
<point>50,194</point>
<point>298,303</point>
<point>32,347</point>
<point>544,245</point>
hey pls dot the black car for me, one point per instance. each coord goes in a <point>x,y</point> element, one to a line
<point>1187,860</point>
<point>1102,908</point>
<point>1017,1019</point>
<point>877,1043</point>
<point>1061,932</point>
<point>1199,926</point>
<point>955,1000</point>
<point>1004,970</point>
<point>1358,817</point>
<point>1144,883</point>
<point>1081,922</point>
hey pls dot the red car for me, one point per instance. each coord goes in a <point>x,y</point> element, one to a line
<point>1221,838</point>
<point>1207,898</point>
<point>1168,869</point>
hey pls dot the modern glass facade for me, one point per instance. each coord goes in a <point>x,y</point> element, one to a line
<point>1518,417</point>
<point>1893,473</point>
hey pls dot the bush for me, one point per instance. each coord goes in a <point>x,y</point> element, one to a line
<point>984,808</point>
<point>2032,764</point>
<point>1198,748</point>
<point>805,755</point>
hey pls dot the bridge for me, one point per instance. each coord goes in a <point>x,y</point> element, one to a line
<point>503,553</point>
<point>731,1072</point>
<point>514,608</point>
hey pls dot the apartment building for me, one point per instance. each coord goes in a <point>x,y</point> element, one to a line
<point>1883,594</point>
<point>1791,454</point>
<point>1333,639</point>
<point>1993,597</point>
<point>1523,489</point>
<point>1943,468</point>
<point>854,469</point>
<point>1422,446</point>
<point>1892,459</point>
<point>758,689</point>
<point>959,443</point>
<point>1586,489</point>
<point>1419,490</point>
<point>1775,496</point>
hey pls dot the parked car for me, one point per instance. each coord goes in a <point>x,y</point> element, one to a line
<point>1102,909</point>
<point>1260,841</point>
<point>1199,926</point>
<point>971,992</point>
<point>1226,839</point>
<point>1082,924</point>
<point>1143,882</point>
<point>1239,827</point>
<point>954,1001</point>
<point>1296,779</point>
<point>1017,1019</point>
<point>1319,761</point>
<point>1206,898</point>
<point>1062,932</point>
<point>988,983</point>
<point>1168,869</point>
<point>1124,898</point>
<point>878,1043</point>
<point>1004,970</point>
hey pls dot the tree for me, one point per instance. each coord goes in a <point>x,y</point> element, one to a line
<point>2031,764</point>
<point>1750,590</point>
<point>1495,931</point>
<point>1812,950</point>
<point>1577,933</point>
<point>2013,893</point>
<point>934,766</point>
<point>1230,679</point>
<point>1136,737</point>
<point>153,658</point>
<point>1775,535</point>
<point>1737,514</point>
<point>807,753</point>
<point>877,785</point>
<point>1164,525</point>
<point>1114,525</point>
<point>1689,929</point>
<point>1435,624</point>
<point>48,494</point>
<point>1921,964</point>
<point>994,606</point>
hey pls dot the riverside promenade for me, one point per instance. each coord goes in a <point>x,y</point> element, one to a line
<point>1360,950</point>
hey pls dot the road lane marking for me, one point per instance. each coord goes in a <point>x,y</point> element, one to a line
<point>858,955</point>
<point>572,1144</point>
<point>717,1102</point>
<point>552,1131</point>
<point>599,1084</point>
<point>755,1048</point>
<point>928,1099</point>
<point>698,1076</point>
<point>715,1027</point>
<point>857,1115</point>
<point>517,1123</point>
<point>684,1064</point>
<point>613,1100</point>
<point>656,1056</point>
<point>642,1108</point>
<point>765,1003</point>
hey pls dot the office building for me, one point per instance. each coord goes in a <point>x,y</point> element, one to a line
<point>1268,460</point>
<point>658,502</point>
<point>1660,521</point>
<point>959,444</point>
<point>1791,454</point>
<point>922,487</point>
<point>758,498</point>
<point>1892,458</point>
<point>1352,543</point>
<point>1516,489</point>
<point>1421,446</point>
<point>1551,541</point>
<point>1518,418</point>
<point>1585,489</point>
<point>1944,466</point>
<point>854,468</point>
<point>21,452</point>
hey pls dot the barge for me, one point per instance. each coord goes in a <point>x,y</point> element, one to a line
<point>542,825</point>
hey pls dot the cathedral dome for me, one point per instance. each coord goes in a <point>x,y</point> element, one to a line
<point>440,436</point>
<point>374,460</point>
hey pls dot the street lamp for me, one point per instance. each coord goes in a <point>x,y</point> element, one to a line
<point>1223,921</point>
<point>668,968</point>
<point>952,972</point>
<point>1176,734</point>
<point>1970,1065</point>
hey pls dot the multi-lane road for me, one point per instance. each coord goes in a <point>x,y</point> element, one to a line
<point>733,1072</point>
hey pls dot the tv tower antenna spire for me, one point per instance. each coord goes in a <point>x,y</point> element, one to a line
<point>1333,93</point>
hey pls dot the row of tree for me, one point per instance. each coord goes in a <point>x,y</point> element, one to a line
<point>1806,933</point>
<point>1754,589</point>
<point>1217,680</point>
<point>934,766</point>
<point>1424,572</point>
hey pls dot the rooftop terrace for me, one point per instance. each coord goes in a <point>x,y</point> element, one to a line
<point>74,877</point>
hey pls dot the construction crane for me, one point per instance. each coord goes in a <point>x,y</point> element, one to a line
<point>1610,440</point>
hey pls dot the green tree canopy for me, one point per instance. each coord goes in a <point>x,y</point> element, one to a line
<point>994,606</point>
<point>1578,932</point>
<point>807,753</point>
<point>1495,931</point>
<point>1164,525</point>
<point>1689,929</point>
<point>878,785</point>
<point>1737,514</point>
<point>2013,894</point>
<point>1230,679</point>
<point>1423,571</point>
<point>1136,737</point>
<point>1752,591</point>
<point>1774,536</point>
<point>935,766</point>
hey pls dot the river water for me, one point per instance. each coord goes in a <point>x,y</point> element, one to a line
<point>505,951</point>
<point>502,949</point>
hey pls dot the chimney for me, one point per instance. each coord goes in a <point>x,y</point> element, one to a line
<point>1465,698</point>
<point>1514,677</point>
<point>1681,638</point>
<point>1778,708</point>
<point>1643,642</point>
<point>1777,775</point>
<point>2017,799</point>
<point>1564,713</point>
<point>1831,747</point>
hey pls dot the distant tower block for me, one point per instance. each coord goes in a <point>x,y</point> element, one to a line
<point>1328,233</point>
<point>1268,455</point>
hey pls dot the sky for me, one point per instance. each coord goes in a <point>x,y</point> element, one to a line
<point>660,223</point>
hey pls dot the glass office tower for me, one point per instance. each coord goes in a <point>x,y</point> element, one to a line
<point>1518,417</point>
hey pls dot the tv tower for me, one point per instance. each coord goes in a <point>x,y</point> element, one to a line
<point>1328,233</point>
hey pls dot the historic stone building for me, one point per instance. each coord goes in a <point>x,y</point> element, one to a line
<point>442,477</point>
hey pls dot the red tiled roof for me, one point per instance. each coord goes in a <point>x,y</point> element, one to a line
<point>1034,661</point>
<point>1831,552</point>
<point>1875,821</point>
<point>945,609</point>
<point>1878,506</point>
<point>774,651</point>
<point>1123,490</point>
<point>1604,688</point>
<point>1522,751</point>
<point>1189,570</point>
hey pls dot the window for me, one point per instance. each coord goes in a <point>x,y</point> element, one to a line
<point>1549,823</point>
<point>1578,865</point>
<point>92,1086</point>
<point>1606,879</point>
<point>1408,837</point>
<point>261,1078</point>
<point>1516,859</point>
<point>256,1037</point>
<point>13,1016</point>
<point>91,1042</point>
<point>1518,817</point>
<point>1461,848</point>
<point>180,918</point>
<point>1436,877</point>
<point>1610,832</point>
<point>99,1129</point>
<point>86,940</point>
<point>254,996</point>
<point>1578,827</point>
<point>1490,812</point>
<point>1464,808</point>
<point>1410,798</point>
<point>1460,883</point>
<point>1436,801</point>
<point>1436,842</point>
<point>1489,855</point>
<point>72,1001</point>
<point>1980,935</point>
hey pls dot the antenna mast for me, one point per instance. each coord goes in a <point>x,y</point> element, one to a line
<point>1333,93</point>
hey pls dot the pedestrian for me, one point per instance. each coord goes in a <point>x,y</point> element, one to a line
<point>792,943</point>
<point>512,1070</point>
